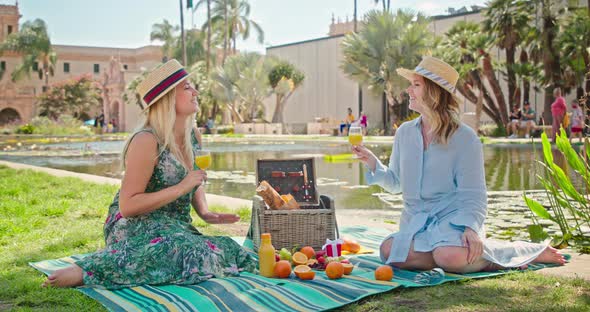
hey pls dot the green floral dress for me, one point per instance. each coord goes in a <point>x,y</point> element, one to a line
<point>161,247</point>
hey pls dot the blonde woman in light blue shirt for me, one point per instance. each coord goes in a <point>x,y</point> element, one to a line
<point>437,165</point>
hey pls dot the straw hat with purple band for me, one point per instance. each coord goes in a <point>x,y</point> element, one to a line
<point>161,80</point>
<point>435,70</point>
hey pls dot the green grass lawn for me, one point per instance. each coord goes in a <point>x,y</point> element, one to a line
<point>44,217</point>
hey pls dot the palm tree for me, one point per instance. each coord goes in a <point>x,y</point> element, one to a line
<point>550,13</point>
<point>231,19</point>
<point>241,24</point>
<point>34,43</point>
<point>194,47</point>
<point>208,25</point>
<point>386,4</point>
<point>166,33</point>
<point>241,85</point>
<point>465,47</point>
<point>574,40</point>
<point>217,24</point>
<point>386,42</point>
<point>529,68</point>
<point>506,20</point>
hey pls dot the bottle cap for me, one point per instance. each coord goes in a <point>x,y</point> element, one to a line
<point>265,236</point>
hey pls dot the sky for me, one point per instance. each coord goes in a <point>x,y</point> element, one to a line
<point>127,23</point>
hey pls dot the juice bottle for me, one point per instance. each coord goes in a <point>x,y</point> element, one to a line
<point>266,256</point>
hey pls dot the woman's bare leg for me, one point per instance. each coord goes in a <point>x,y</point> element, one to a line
<point>68,277</point>
<point>415,261</point>
<point>454,259</point>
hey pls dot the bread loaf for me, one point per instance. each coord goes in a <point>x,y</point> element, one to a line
<point>270,196</point>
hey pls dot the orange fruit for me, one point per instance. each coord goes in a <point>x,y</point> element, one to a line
<point>347,268</point>
<point>307,275</point>
<point>384,273</point>
<point>351,245</point>
<point>334,270</point>
<point>308,251</point>
<point>302,268</point>
<point>299,258</point>
<point>304,272</point>
<point>282,269</point>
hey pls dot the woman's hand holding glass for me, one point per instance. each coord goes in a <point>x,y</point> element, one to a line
<point>193,179</point>
<point>366,156</point>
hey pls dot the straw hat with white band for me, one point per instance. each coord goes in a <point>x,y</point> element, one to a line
<point>434,70</point>
<point>160,81</point>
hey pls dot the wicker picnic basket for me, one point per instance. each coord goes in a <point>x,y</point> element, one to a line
<point>308,226</point>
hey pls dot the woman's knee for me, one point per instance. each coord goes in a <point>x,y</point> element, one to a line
<point>451,259</point>
<point>385,248</point>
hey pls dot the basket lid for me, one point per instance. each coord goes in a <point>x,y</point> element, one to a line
<point>295,176</point>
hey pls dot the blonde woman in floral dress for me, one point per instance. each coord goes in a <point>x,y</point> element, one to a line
<point>148,231</point>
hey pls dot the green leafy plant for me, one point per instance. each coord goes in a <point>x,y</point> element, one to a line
<point>569,207</point>
<point>25,129</point>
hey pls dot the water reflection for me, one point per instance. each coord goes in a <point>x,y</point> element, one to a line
<point>508,167</point>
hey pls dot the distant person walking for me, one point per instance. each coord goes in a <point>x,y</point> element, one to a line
<point>364,123</point>
<point>577,121</point>
<point>558,110</point>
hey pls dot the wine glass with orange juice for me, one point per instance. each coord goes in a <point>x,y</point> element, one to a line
<point>203,160</point>
<point>355,136</point>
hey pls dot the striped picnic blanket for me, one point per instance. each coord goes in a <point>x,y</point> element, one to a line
<point>251,292</point>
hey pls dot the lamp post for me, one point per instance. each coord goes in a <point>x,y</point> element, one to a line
<point>360,88</point>
<point>182,34</point>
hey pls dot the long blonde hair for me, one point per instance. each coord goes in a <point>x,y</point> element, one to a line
<point>161,117</point>
<point>442,111</point>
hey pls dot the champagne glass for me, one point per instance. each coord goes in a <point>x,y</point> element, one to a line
<point>355,136</point>
<point>203,160</point>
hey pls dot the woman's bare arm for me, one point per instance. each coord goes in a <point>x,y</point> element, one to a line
<point>200,205</point>
<point>141,158</point>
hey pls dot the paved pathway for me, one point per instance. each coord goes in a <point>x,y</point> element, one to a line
<point>578,267</point>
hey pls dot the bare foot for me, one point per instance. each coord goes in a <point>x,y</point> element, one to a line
<point>491,267</point>
<point>550,255</point>
<point>68,277</point>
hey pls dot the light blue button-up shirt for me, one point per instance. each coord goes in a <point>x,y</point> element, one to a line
<point>443,188</point>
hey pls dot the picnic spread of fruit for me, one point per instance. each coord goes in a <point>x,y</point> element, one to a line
<point>303,262</point>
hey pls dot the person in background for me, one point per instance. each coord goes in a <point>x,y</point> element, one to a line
<point>364,123</point>
<point>347,121</point>
<point>577,121</point>
<point>115,125</point>
<point>437,165</point>
<point>209,125</point>
<point>528,119</point>
<point>558,110</point>
<point>515,117</point>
